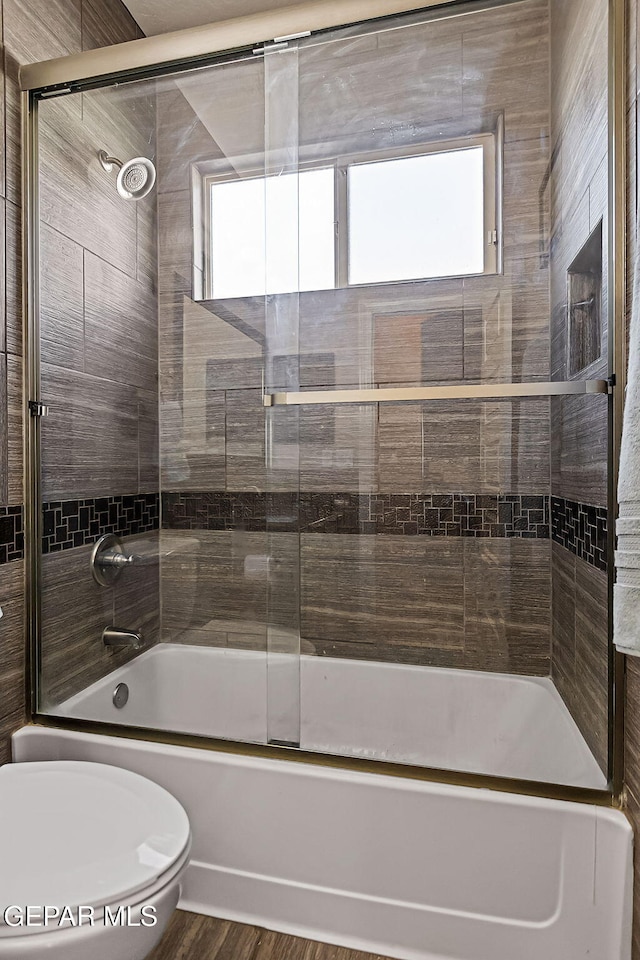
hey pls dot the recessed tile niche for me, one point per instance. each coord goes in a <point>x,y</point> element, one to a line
<point>585,305</point>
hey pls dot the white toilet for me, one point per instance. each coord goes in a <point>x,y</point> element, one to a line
<point>86,835</point>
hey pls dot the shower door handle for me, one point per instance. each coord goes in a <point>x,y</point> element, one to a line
<point>462,391</point>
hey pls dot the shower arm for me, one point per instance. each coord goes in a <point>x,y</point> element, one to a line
<point>108,163</point>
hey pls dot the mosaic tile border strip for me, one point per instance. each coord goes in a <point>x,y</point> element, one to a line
<point>11,534</point>
<point>74,523</point>
<point>410,514</point>
<point>582,529</point>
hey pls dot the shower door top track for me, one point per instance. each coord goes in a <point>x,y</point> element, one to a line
<point>197,45</point>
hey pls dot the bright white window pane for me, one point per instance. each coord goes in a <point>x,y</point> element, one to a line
<point>417,217</point>
<point>317,230</point>
<point>273,234</point>
<point>237,238</point>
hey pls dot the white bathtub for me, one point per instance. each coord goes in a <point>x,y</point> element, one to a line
<point>393,866</point>
<point>463,720</point>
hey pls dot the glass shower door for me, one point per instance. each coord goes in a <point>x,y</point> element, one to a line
<point>98,362</point>
<point>339,383</point>
<point>436,395</point>
<point>282,373</point>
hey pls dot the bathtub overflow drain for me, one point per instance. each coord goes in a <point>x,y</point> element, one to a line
<point>120,695</point>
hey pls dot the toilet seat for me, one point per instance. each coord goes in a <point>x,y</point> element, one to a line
<point>77,833</point>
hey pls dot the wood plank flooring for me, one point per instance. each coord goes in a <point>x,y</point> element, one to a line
<point>191,936</point>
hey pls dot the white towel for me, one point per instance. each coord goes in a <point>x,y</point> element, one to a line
<point>626,595</point>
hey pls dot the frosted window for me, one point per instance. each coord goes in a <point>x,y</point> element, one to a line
<point>417,217</point>
<point>273,234</point>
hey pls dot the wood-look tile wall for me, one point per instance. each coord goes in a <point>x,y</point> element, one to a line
<point>446,79</point>
<point>580,645</point>
<point>477,604</point>
<point>441,80</point>
<point>99,357</point>
<point>579,455</point>
<point>578,188</point>
<point>75,611</point>
<point>105,384</point>
<point>94,269</point>
<point>12,671</point>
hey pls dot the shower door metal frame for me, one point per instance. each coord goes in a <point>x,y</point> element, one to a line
<point>617,350</point>
<point>166,55</point>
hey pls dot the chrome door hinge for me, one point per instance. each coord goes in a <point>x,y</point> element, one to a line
<point>37,409</point>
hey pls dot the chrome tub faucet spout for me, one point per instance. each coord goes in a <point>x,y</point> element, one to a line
<point>116,637</point>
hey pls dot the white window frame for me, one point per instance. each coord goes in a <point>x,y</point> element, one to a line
<point>205,175</point>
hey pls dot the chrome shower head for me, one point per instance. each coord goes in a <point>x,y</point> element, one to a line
<point>136,178</point>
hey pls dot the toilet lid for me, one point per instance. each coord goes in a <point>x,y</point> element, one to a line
<point>76,833</point>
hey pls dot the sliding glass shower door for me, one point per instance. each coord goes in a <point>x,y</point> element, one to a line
<point>170,493</point>
<point>338,385</point>
<point>281,231</point>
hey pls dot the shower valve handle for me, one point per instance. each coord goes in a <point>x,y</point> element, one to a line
<point>111,558</point>
<point>108,559</point>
